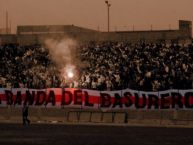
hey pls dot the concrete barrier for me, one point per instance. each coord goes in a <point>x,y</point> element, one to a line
<point>85,117</point>
<point>184,114</point>
<point>15,114</point>
<point>183,117</point>
<point>52,115</point>
<point>107,117</point>
<point>35,114</point>
<point>151,114</point>
<point>4,114</point>
<point>96,117</point>
<point>73,116</point>
<point>135,114</point>
<point>132,117</point>
<point>166,114</point>
<point>120,118</point>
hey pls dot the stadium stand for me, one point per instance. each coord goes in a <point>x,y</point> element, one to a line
<point>110,66</point>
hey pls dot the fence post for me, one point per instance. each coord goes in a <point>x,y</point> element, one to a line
<point>126,117</point>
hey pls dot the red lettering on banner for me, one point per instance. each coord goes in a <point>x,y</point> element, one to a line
<point>9,97</point>
<point>79,98</point>
<point>105,100</point>
<point>18,99</point>
<point>41,97</point>
<point>51,98</point>
<point>66,98</point>
<point>87,102</point>
<point>29,98</point>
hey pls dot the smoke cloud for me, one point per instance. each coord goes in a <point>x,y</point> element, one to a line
<point>63,54</point>
<point>61,51</point>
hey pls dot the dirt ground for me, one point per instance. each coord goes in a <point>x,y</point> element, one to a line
<point>62,134</point>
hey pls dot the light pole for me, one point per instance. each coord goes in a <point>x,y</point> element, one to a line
<point>108,7</point>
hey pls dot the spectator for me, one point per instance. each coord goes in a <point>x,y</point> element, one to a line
<point>107,66</point>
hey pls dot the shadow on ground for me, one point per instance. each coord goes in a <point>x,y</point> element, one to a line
<point>58,134</point>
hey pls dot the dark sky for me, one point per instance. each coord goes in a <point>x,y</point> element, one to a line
<point>93,13</point>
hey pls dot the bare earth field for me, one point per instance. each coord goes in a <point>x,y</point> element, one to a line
<point>61,134</point>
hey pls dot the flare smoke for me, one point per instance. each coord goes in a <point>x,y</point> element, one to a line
<point>62,53</point>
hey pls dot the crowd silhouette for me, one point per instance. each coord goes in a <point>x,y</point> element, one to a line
<point>108,66</point>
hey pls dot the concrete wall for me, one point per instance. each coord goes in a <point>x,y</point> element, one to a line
<point>154,36</point>
<point>127,117</point>
<point>42,29</point>
<point>27,35</point>
<point>8,39</point>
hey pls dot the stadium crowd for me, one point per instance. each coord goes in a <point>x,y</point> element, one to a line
<point>109,66</point>
<point>27,66</point>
